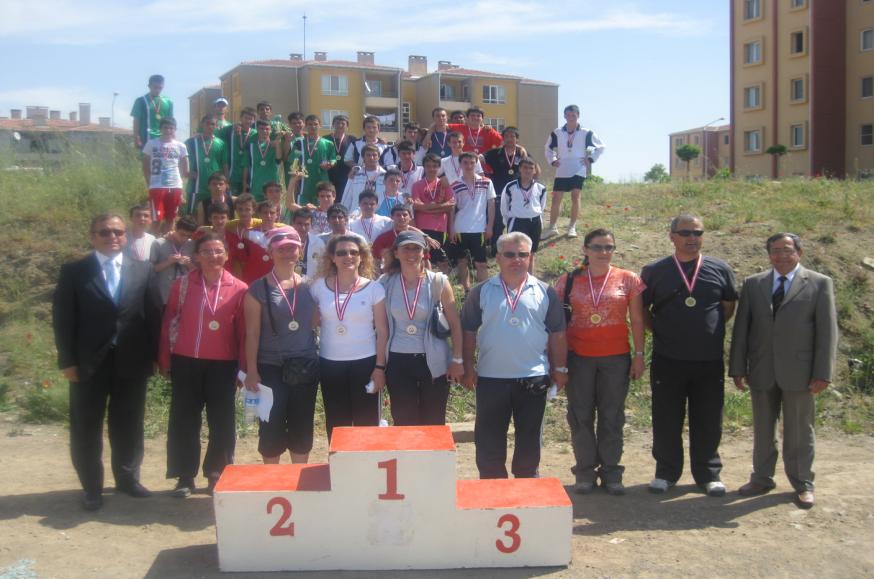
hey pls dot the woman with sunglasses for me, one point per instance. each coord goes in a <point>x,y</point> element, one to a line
<point>352,335</point>
<point>601,299</point>
<point>201,350</point>
<point>281,350</point>
<point>419,366</point>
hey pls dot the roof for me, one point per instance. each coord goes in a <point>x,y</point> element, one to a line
<point>717,128</point>
<point>58,126</point>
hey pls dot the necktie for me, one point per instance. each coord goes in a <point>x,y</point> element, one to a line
<point>111,271</point>
<point>778,296</point>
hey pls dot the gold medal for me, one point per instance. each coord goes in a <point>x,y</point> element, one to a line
<point>338,157</point>
<point>690,302</point>
<point>214,325</point>
<point>293,325</point>
<point>263,163</point>
<point>596,318</point>
<point>411,329</point>
<point>341,330</point>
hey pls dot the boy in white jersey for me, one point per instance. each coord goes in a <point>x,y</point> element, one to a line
<point>409,166</point>
<point>450,167</point>
<point>473,221</point>
<point>368,224</point>
<point>355,153</point>
<point>165,165</point>
<point>368,178</point>
<point>522,203</point>
<point>139,240</point>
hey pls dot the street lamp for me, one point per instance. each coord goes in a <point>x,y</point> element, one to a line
<point>112,112</point>
<point>706,139</point>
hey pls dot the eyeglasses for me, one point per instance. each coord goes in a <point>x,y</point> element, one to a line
<point>689,232</point>
<point>597,247</point>
<point>515,254</point>
<point>347,253</point>
<point>109,231</point>
<point>211,252</point>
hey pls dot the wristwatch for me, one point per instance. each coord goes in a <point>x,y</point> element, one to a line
<point>458,360</point>
<point>561,369</point>
<point>379,367</point>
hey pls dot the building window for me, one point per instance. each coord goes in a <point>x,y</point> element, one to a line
<point>753,52</point>
<point>867,87</point>
<point>797,3</point>
<point>796,90</point>
<point>752,97</point>
<point>405,113</point>
<point>797,138</point>
<point>866,135</point>
<point>753,141</point>
<point>333,85</point>
<point>374,87</point>
<point>697,139</point>
<point>328,116</point>
<point>498,124</point>
<point>447,92</point>
<point>868,39</point>
<point>725,140</point>
<point>752,9</point>
<point>678,142</point>
<point>796,42</point>
<point>494,94</point>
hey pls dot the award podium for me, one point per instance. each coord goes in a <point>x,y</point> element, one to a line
<point>387,499</point>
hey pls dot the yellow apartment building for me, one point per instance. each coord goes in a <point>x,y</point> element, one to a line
<point>802,75</point>
<point>395,95</point>
<point>715,145</point>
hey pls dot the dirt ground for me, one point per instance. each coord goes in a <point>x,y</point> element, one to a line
<point>44,532</point>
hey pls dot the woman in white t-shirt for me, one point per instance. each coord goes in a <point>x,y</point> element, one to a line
<point>353,333</point>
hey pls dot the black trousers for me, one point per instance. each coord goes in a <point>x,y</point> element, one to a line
<point>673,383</point>
<point>126,396</point>
<point>497,401</point>
<point>291,419</point>
<point>416,398</point>
<point>497,226</point>
<point>346,401</point>
<point>197,384</point>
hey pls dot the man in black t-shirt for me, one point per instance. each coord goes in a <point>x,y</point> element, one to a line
<point>687,301</point>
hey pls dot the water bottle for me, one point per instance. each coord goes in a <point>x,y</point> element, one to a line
<point>250,405</point>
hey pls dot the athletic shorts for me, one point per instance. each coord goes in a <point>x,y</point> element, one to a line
<point>473,243</point>
<point>437,255</point>
<point>530,226</point>
<point>164,203</point>
<point>568,183</point>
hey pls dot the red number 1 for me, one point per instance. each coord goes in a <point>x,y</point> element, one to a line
<point>285,513</point>
<point>515,539</point>
<point>391,480</point>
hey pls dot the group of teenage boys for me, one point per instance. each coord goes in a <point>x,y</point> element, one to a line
<point>459,181</point>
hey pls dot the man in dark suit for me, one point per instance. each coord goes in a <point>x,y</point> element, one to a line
<point>107,314</point>
<point>784,345</point>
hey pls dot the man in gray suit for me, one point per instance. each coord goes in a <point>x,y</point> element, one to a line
<point>783,347</point>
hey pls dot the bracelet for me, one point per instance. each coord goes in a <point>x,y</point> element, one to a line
<point>638,353</point>
<point>379,367</point>
<point>458,360</point>
<point>561,369</point>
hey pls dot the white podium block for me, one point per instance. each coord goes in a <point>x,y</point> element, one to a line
<point>388,499</point>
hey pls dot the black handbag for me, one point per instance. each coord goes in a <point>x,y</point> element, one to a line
<point>299,371</point>
<point>439,323</point>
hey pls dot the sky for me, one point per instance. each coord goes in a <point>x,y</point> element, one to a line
<point>638,70</point>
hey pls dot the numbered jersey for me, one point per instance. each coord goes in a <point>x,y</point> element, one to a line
<point>164,158</point>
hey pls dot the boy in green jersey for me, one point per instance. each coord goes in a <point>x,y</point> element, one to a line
<point>265,113</point>
<point>148,110</point>
<point>239,135</point>
<point>314,157</point>
<point>263,157</point>
<point>206,155</point>
<point>220,109</point>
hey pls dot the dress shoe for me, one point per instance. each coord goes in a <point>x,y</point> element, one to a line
<point>184,488</point>
<point>92,501</point>
<point>615,488</point>
<point>584,487</point>
<point>210,487</point>
<point>752,489</point>
<point>134,489</point>
<point>805,499</point>
<point>714,488</point>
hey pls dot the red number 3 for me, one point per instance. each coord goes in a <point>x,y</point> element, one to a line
<point>285,507</point>
<point>515,539</point>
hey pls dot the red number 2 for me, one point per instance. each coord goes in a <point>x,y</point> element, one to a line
<point>391,481</point>
<point>278,530</point>
<point>515,539</point>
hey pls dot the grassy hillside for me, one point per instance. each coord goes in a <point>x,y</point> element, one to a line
<point>47,215</point>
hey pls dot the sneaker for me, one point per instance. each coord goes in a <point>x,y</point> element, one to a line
<point>584,487</point>
<point>714,488</point>
<point>572,230</point>
<point>184,488</point>
<point>210,488</point>
<point>552,230</point>
<point>659,486</point>
<point>615,488</point>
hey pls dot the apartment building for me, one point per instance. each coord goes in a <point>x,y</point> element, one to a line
<point>360,88</point>
<point>802,75</point>
<point>715,145</point>
<point>201,103</point>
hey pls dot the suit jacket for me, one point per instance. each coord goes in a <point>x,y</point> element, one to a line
<point>85,319</point>
<point>796,346</point>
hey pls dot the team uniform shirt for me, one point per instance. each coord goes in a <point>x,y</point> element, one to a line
<point>478,140</point>
<point>410,177</point>
<point>221,126</point>
<point>391,158</point>
<point>256,263</point>
<point>311,252</point>
<point>139,248</point>
<point>149,112</point>
<point>571,149</point>
<point>450,168</point>
<point>383,242</point>
<point>204,160</point>
<point>164,158</point>
<point>320,222</point>
<point>516,201</point>
<point>471,214</point>
<point>508,349</point>
<point>339,173</point>
<point>387,203</point>
<point>310,155</point>
<point>237,159</point>
<point>499,166</point>
<point>161,251</point>
<point>439,144</point>
<point>359,341</point>
<point>434,192</point>
<point>362,180</point>
<point>208,202</point>
<point>609,337</point>
<point>263,167</point>
<point>353,153</point>
<point>370,228</point>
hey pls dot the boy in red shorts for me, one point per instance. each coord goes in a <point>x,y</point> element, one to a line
<point>165,165</point>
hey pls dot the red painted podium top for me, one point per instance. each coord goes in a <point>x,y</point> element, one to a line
<point>376,438</point>
<point>274,478</point>
<point>517,493</point>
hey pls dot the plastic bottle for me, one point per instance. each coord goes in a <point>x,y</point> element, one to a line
<point>250,405</point>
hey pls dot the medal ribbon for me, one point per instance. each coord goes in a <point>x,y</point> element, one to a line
<point>512,161</point>
<point>411,311</point>
<point>310,150</point>
<point>526,193</point>
<point>571,137</point>
<point>690,285</point>
<point>292,305</point>
<point>405,175</point>
<point>156,103</point>
<point>205,149</point>
<point>432,191</point>
<point>476,138</point>
<point>263,151</point>
<point>212,307</point>
<point>368,229</point>
<point>341,310</point>
<point>443,144</point>
<point>510,300</point>
<point>597,301</point>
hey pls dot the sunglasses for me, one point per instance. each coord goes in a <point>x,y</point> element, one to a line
<point>347,253</point>
<point>690,232</point>
<point>515,254</point>
<point>279,237</point>
<point>108,231</point>
<point>599,248</point>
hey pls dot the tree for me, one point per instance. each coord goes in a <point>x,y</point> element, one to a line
<point>777,151</point>
<point>657,174</point>
<point>688,153</point>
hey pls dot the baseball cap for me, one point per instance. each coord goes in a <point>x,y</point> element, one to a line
<point>285,235</point>
<point>410,238</point>
<point>220,100</point>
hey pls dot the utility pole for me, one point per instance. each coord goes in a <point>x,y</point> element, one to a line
<point>304,36</point>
